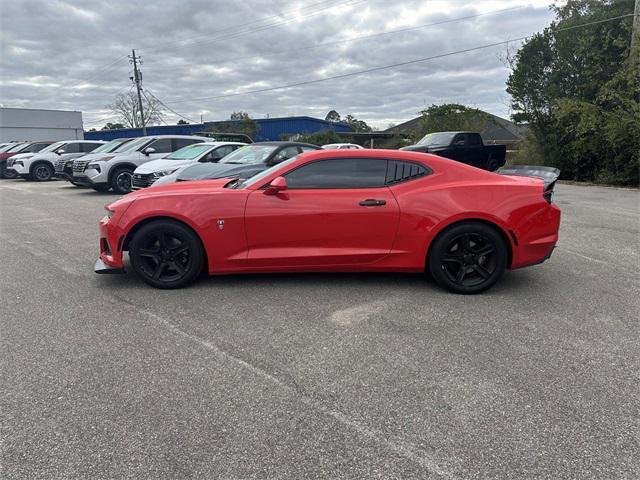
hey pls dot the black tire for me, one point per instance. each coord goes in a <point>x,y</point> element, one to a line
<point>101,188</point>
<point>166,254</point>
<point>468,258</point>
<point>41,172</point>
<point>7,173</point>
<point>492,164</point>
<point>121,180</point>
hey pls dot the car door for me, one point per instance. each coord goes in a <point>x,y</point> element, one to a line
<point>335,212</point>
<point>162,147</point>
<point>71,151</point>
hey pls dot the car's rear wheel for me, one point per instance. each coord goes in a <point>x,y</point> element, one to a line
<point>468,258</point>
<point>492,164</point>
<point>41,172</point>
<point>121,180</point>
<point>166,254</point>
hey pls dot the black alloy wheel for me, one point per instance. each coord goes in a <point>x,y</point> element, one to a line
<point>42,172</point>
<point>166,254</point>
<point>468,258</point>
<point>122,180</point>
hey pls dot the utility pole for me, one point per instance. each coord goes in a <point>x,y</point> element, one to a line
<point>634,50</point>
<point>137,78</point>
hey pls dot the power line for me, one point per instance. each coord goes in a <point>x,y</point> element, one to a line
<point>393,65</point>
<point>234,60</point>
<point>167,107</point>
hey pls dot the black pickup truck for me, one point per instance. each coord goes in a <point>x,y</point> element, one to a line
<point>465,147</point>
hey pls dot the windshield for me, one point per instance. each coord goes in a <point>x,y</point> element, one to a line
<point>440,139</point>
<point>14,147</point>
<point>189,152</point>
<point>52,147</point>
<point>249,155</point>
<point>133,144</point>
<point>108,147</point>
<point>263,174</point>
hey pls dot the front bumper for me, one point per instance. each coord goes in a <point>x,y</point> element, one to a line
<point>102,268</point>
<point>111,240</point>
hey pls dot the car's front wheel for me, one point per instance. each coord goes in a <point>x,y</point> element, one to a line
<point>7,172</point>
<point>166,254</point>
<point>42,172</point>
<point>468,258</point>
<point>121,180</point>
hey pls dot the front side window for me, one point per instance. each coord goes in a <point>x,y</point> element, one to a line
<point>339,173</point>
<point>285,154</point>
<point>308,149</point>
<point>473,139</point>
<point>163,145</point>
<point>179,143</point>
<point>70,148</point>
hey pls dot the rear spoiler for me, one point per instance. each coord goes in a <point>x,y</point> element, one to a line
<point>547,174</point>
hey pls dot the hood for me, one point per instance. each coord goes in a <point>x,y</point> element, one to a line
<point>202,171</point>
<point>5,155</point>
<point>19,156</point>
<point>423,148</point>
<point>162,164</point>
<point>94,157</point>
<point>201,186</point>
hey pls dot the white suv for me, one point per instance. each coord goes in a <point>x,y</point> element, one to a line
<point>115,170</point>
<point>40,166</point>
<point>145,175</point>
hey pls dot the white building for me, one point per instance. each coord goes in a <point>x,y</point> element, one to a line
<point>31,124</point>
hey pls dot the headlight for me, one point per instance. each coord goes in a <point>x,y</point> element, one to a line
<point>93,166</point>
<point>19,162</point>
<point>164,173</point>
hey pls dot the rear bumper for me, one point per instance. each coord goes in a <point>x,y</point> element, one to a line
<point>537,238</point>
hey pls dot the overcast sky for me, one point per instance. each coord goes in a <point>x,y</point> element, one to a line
<point>64,54</point>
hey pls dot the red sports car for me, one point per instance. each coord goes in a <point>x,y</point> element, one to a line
<point>339,211</point>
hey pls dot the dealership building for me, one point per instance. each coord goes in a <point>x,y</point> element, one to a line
<point>31,124</point>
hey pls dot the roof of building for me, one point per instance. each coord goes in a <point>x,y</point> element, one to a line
<point>496,129</point>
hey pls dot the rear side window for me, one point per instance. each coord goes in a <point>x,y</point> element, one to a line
<point>399,171</point>
<point>179,143</point>
<point>339,173</point>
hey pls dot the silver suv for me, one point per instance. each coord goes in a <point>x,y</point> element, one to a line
<point>115,170</point>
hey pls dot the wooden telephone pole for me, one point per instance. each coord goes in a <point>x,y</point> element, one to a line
<point>137,78</point>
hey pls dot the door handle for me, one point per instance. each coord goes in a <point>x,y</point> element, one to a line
<point>370,202</point>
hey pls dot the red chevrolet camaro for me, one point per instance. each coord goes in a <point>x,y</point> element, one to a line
<point>339,211</point>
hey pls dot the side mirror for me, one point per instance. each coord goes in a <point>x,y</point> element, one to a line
<point>276,186</point>
<point>149,150</point>
<point>61,151</point>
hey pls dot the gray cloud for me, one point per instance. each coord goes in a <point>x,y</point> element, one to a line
<point>72,55</point>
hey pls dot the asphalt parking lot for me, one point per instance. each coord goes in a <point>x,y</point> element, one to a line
<point>317,376</point>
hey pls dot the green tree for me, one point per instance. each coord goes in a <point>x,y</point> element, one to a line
<point>112,126</point>
<point>577,91</point>
<point>450,117</point>
<point>333,116</point>
<point>357,125</point>
<point>240,115</point>
<point>182,122</point>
